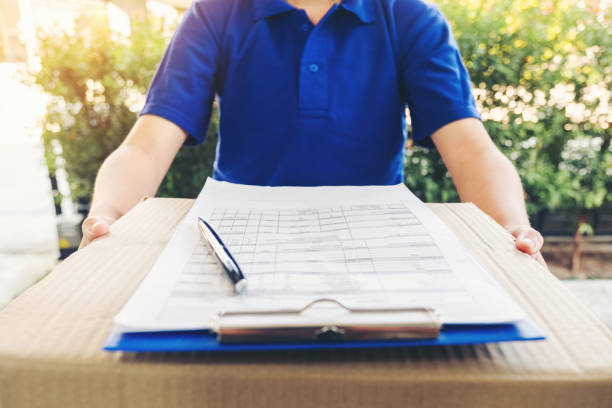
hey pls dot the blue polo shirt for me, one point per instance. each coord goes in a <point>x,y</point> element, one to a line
<point>311,105</point>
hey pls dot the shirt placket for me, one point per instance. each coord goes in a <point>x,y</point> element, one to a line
<point>314,69</point>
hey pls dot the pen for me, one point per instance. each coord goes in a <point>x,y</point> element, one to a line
<point>224,256</point>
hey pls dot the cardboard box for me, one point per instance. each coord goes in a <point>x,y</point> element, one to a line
<point>51,341</point>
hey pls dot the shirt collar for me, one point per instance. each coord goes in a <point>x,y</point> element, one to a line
<point>267,8</point>
<point>363,9</point>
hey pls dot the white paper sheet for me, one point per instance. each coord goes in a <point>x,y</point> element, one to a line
<point>373,246</point>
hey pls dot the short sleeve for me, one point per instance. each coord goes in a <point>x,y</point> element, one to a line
<point>436,84</point>
<point>183,88</point>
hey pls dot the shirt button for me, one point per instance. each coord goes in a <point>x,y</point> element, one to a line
<point>313,67</point>
<point>305,27</point>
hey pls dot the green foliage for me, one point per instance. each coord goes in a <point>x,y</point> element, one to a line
<point>98,80</point>
<point>192,166</point>
<point>541,70</point>
<point>427,176</point>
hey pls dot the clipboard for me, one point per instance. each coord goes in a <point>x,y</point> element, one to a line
<point>354,324</point>
<point>295,329</point>
<point>474,308</point>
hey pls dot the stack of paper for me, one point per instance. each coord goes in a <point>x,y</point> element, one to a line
<point>374,246</point>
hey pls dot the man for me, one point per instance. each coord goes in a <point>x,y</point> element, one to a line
<point>312,93</point>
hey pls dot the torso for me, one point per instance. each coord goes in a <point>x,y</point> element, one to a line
<point>311,104</point>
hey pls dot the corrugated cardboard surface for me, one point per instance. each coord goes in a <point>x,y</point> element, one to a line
<point>51,341</point>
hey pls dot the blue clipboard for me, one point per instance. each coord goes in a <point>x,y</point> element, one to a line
<point>206,340</point>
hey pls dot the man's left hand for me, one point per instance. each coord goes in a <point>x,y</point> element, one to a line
<point>528,240</point>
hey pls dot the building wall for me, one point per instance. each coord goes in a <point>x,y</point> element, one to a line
<point>13,49</point>
<point>132,7</point>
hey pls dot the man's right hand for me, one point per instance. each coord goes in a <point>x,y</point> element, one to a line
<point>94,227</point>
<point>133,171</point>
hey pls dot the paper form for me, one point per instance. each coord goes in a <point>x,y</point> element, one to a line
<point>373,246</point>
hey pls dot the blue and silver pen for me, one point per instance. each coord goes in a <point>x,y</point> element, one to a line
<point>224,256</point>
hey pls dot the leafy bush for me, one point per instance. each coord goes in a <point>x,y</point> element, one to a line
<point>542,74</point>
<point>192,166</point>
<point>98,80</point>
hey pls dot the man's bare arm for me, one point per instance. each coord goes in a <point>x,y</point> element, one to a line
<point>484,176</point>
<point>134,170</point>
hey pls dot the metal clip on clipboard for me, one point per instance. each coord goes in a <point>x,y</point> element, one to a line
<point>312,323</point>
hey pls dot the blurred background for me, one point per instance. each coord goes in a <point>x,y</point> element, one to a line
<point>74,74</point>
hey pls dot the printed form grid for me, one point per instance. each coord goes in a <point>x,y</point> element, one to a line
<point>352,249</point>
